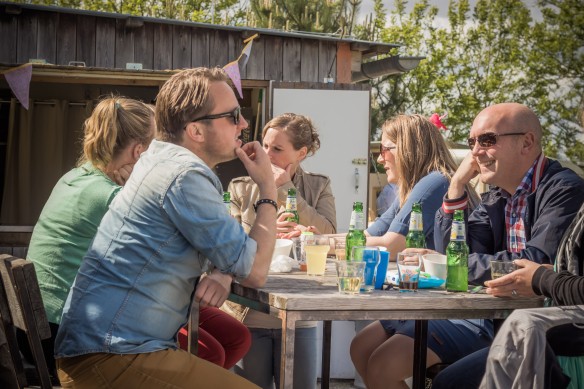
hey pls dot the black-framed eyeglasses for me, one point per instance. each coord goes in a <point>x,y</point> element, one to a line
<point>235,114</point>
<point>385,149</point>
<point>489,139</point>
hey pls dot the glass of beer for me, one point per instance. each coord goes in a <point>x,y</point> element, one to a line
<point>316,248</point>
<point>408,268</point>
<point>349,276</point>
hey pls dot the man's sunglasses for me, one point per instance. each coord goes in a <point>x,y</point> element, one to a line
<point>235,114</point>
<point>489,139</point>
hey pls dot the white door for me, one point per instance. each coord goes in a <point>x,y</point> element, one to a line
<point>341,117</point>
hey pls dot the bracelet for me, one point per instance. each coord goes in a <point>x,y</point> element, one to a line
<point>265,201</point>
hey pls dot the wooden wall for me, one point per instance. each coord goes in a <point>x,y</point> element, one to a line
<point>109,42</point>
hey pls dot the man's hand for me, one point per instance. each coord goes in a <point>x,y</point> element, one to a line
<point>467,170</point>
<point>122,175</point>
<point>258,166</point>
<point>213,289</point>
<point>518,281</point>
<point>282,176</point>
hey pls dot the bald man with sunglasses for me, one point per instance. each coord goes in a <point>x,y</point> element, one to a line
<point>531,201</point>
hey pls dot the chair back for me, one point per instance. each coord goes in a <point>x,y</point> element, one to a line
<point>21,306</point>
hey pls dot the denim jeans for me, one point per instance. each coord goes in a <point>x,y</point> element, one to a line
<point>261,365</point>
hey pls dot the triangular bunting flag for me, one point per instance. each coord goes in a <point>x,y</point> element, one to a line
<point>245,53</point>
<point>232,70</point>
<point>19,81</point>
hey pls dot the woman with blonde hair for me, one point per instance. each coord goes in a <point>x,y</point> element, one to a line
<point>417,160</point>
<point>115,134</point>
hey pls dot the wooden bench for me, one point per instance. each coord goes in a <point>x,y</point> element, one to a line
<point>21,307</point>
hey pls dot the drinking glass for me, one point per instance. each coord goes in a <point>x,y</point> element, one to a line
<point>408,268</point>
<point>349,275</point>
<point>316,248</point>
<point>370,256</point>
<point>340,243</point>
<point>500,268</point>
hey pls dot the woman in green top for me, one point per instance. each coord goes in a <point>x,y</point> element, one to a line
<point>116,133</point>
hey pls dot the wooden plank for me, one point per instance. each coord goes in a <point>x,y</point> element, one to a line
<point>66,41</point>
<point>327,52</point>
<point>86,39</point>
<point>256,64</point>
<point>344,57</point>
<point>218,48</point>
<point>124,44</point>
<point>105,42</point>
<point>27,37</point>
<point>291,60</point>
<point>47,36</point>
<point>234,47</point>
<point>144,45</point>
<point>200,47</point>
<point>273,62</point>
<point>8,34</point>
<point>162,47</point>
<point>181,47</point>
<point>309,61</point>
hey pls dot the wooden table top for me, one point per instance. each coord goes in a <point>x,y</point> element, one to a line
<point>296,291</point>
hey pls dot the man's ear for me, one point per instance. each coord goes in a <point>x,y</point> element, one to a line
<point>195,132</point>
<point>529,142</point>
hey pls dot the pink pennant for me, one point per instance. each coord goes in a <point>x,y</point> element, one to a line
<point>232,70</point>
<point>437,120</point>
<point>245,53</point>
<point>19,81</point>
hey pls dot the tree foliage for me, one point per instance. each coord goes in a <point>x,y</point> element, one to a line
<point>492,53</point>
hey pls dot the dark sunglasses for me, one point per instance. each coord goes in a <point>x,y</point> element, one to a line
<point>235,114</point>
<point>489,139</point>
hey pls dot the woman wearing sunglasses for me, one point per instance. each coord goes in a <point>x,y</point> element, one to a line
<point>287,139</point>
<point>417,160</point>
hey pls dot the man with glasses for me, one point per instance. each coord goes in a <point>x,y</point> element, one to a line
<point>532,199</point>
<point>134,289</point>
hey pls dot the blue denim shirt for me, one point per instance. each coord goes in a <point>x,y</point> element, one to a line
<point>134,288</point>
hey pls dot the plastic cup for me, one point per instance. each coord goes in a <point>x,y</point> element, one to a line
<point>349,276</point>
<point>500,268</point>
<point>408,268</point>
<point>381,271</point>
<point>316,249</point>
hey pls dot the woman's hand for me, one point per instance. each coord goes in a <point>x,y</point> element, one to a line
<point>282,176</point>
<point>122,175</point>
<point>517,283</point>
<point>289,230</point>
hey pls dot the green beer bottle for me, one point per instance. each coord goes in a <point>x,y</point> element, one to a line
<point>457,256</point>
<point>291,206</point>
<point>415,237</point>
<point>227,201</point>
<point>356,235</point>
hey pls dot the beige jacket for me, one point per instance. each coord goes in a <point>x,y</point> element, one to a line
<point>316,207</point>
<point>314,198</point>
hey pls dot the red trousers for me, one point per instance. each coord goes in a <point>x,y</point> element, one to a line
<point>223,340</point>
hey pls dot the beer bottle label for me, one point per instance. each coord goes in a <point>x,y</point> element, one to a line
<point>291,203</point>
<point>416,223</point>
<point>359,221</point>
<point>352,221</point>
<point>457,231</point>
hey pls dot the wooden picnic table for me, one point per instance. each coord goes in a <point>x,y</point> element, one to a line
<point>297,297</point>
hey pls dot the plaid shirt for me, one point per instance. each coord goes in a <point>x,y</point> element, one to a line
<point>517,205</point>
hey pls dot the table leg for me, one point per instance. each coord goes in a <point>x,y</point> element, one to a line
<point>325,373</point>
<point>287,353</point>
<point>420,354</point>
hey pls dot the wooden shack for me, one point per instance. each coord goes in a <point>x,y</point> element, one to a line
<point>79,56</point>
